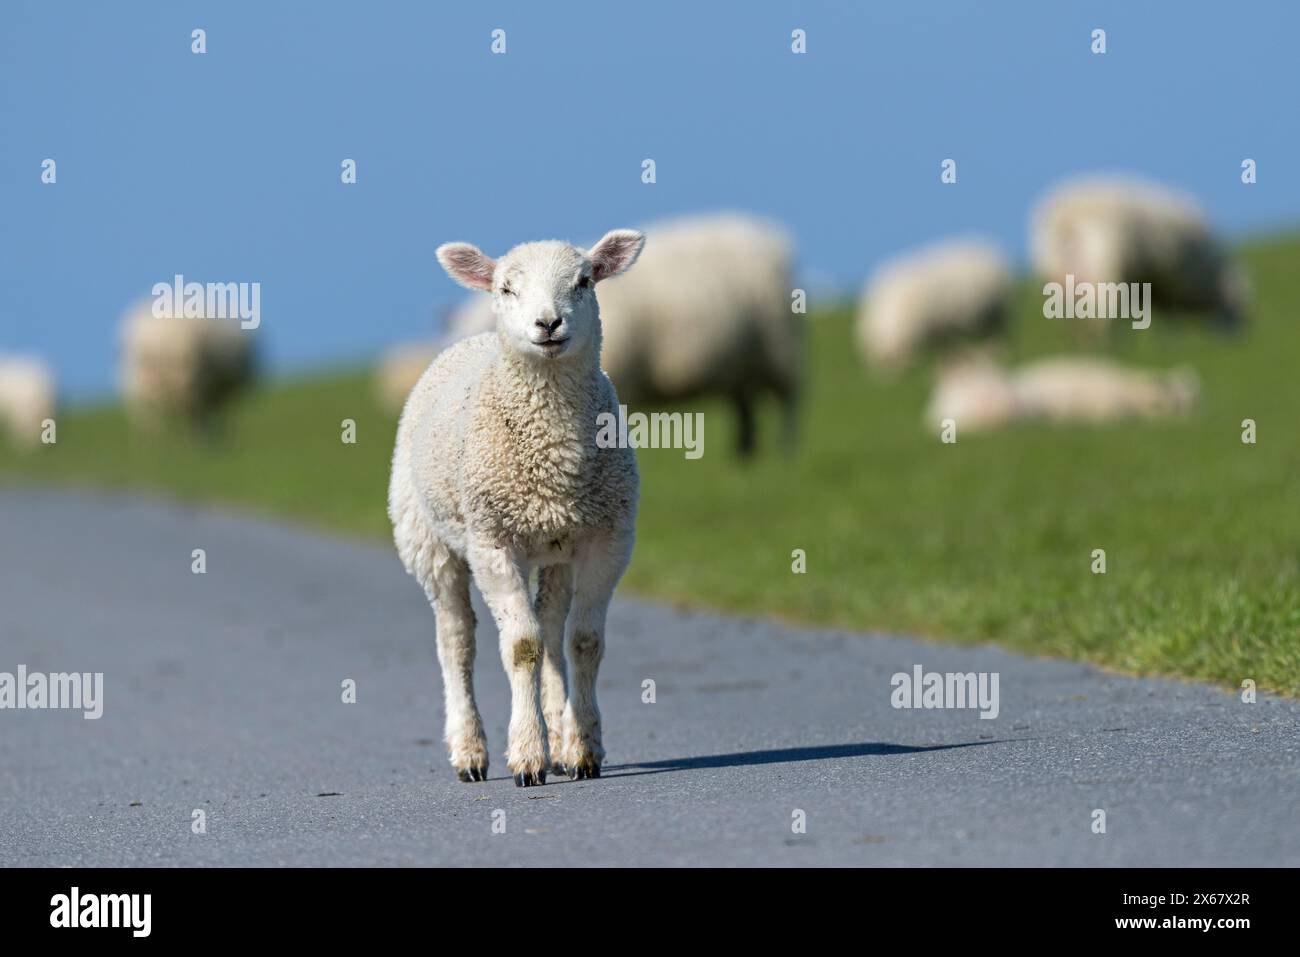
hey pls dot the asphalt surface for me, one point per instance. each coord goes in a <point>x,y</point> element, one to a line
<point>222,693</point>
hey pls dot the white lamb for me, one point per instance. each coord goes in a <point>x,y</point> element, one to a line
<point>930,300</point>
<point>497,471</point>
<point>27,398</point>
<point>182,367</point>
<point>979,396</point>
<point>707,312</point>
<point>1126,230</point>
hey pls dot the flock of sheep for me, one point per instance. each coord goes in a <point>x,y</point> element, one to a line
<point>953,302</point>
<point>171,369</point>
<point>708,312</point>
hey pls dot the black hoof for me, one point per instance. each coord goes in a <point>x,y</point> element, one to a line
<point>530,779</point>
<point>582,771</point>
<point>469,775</point>
<point>557,767</point>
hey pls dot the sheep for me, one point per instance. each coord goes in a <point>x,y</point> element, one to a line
<point>1127,230</point>
<point>398,371</point>
<point>980,396</point>
<point>27,398</point>
<point>496,471</point>
<point>1064,389</point>
<point>471,317</point>
<point>973,392</point>
<point>401,367</point>
<point>931,300</point>
<point>707,312</point>
<point>182,366</point>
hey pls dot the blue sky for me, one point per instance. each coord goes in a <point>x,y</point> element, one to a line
<point>225,166</point>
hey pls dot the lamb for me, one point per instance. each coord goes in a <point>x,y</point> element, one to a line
<point>932,300</point>
<point>707,313</point>
<point>496,471</point>
<point>27,398</point>
<point>979,396</point>
<point>1126,230</point>
<point>187,367</point>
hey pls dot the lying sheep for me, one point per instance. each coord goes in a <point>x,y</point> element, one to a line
<point>1123,230</point>
<point>401,367</point>
<point>1065,389</point>
<point>399,370</point>
<point>974,392</point>
<point>932,300</point>
<point>182,367</point>
<point>707,312</point>
<point>27,399</point>
<point>979,396</point>
<point>496,471</point>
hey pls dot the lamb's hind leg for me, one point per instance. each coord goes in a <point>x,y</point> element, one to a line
<point>554,594</point>
<point>463,726</point>
<point>596,570</point>
<point>502,577</point>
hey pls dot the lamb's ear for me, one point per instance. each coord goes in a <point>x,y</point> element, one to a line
<point>467,264</point>
<point>616,250</point>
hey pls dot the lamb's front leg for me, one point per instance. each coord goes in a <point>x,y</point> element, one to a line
<point>502,577</point>
<point>554,595</point>
<point>597,568</point>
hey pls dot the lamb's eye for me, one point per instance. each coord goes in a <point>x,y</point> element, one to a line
<point>507,291</point>
<point>584,282</point>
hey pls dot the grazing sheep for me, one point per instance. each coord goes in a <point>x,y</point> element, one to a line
<point>497,471</point>
<point>933,299</point>
<point>980,396</point>
<point>1123,230</point>
<point>184,367</point>
<point>707,313</point>
<point>27,398</point>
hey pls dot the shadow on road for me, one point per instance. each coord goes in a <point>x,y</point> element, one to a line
<point>779,756</point>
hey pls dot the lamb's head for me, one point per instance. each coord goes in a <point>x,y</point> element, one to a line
<point>544,293</point>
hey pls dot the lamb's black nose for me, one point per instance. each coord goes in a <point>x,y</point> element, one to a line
<point>548,327</point>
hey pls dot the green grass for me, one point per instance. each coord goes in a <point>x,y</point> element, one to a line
<point>987,539</point>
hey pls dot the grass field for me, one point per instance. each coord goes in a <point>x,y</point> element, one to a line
<point>987,539</point>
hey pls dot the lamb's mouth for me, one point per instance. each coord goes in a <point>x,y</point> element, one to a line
<point>553,347</point>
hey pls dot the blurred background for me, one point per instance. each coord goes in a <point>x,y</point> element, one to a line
<point>225,167</point>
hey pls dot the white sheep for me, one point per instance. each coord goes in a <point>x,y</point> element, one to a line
<point>471,317</point>
<point>974,392</point>
<point>401,366</point>
<point>27,398</point>
<point>182,366</point>
<point>1066,389</point>
<point>497,471</point>
<point>930,300</point>
<point>978,395</point>
<point>707,312</point>
<point>1126,230</point>
<point>399,370</point>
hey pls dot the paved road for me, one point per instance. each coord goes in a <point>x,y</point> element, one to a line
<point>222,693</point>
